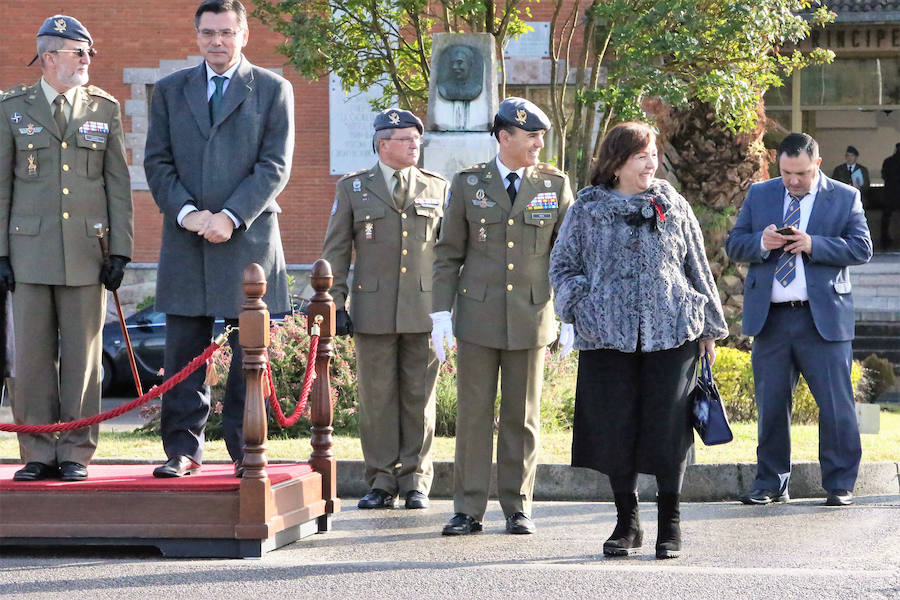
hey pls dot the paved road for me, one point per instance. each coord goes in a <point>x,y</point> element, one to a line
<point>802,550</point>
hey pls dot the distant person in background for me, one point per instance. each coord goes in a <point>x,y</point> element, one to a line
<point>890,172</point>
<point>853,173</point>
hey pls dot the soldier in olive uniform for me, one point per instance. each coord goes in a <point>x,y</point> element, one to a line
<point>62,170</point>
<point>391,215</point>
<point>492,261</point>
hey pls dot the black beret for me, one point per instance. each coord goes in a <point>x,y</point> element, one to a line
<point>521,113</point>
<point>852,150</point>
<point>395,118</point>
<point>66,27</point>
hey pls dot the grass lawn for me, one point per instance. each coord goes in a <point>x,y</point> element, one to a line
<point>555,446</point>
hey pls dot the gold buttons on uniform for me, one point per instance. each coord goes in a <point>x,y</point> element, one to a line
<point>93,145</point>
<point>508,287</point>
<point>482,221</point>
<point>405,233</point>
<point>64,145</point>
<point>403,269</point>
<point>510,244</point>
<point>464,289</point>
<point>30,146</point>
<point>542,222</point>
<point>510,222</point>
<point>65,191</point>
<point>405,252</point>
<point>359,286</point>
<point>510,266</point>
<point>65,167</point>
<point>65,215</point>
<point>403,216</point>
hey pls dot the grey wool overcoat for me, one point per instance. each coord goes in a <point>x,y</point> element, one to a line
<point>240,163</point>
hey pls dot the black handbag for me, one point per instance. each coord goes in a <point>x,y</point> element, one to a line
<point>708,412</point>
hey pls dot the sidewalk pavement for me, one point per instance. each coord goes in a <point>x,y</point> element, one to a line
<point>797,551</point>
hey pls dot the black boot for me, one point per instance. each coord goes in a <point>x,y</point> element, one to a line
<point>627,537</point>
<point>668,539</point>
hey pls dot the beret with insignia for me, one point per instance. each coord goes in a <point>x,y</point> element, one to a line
<point>395,118</point>
<point>520,113</point>
<point>65,27</point>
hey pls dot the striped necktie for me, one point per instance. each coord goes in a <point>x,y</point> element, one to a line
<point>786,269</point>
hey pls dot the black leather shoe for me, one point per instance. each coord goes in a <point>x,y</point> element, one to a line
<point>764,497</point>
<point>461,524</point>
<point>376,498</point>
<point>519,523</point>
<point>72,471</point>
<point>416,499</point>
<point>35,471</point>
<point>839,498</point>
<point>177,466</point>
<point>239,468</point>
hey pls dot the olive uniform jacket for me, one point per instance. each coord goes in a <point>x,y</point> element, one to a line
<point>54,186</point>
<point>394,250</point>
<point>493,257</point>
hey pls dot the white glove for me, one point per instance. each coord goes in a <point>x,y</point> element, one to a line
<point>566,339</point>
<point>441,333</point>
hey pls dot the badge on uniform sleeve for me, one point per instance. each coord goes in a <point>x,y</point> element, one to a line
<point>32,166</point>
<point>357,185</point>
<point>370,231</point>
<point>15,117</point>
<point>471,179</point>
<point>482,234</point>
<point>547,183</point>
<point>334,206</point>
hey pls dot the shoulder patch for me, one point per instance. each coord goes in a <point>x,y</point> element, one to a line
<point>93,90</point>
<point>16,90</point>
<point>353,174</point>
<point>548,168</point>
<point>432,173</point>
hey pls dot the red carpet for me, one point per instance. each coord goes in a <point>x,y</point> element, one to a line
<point>218,477</point>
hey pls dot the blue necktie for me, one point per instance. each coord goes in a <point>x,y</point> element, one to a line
<point>215,101</point>
<point>786,269</point>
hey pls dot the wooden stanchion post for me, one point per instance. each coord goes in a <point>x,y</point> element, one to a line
<point>321,311</point>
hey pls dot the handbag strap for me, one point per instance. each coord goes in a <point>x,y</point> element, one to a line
<point>706,369</point>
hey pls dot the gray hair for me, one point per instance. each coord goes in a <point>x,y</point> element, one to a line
<point>381,134</point>
<point>48,43</point>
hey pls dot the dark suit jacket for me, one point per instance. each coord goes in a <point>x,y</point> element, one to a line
<point>840,237</point>
<point>842,173</point>
<point>240,163</point>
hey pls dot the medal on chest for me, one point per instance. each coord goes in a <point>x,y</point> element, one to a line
<point>32,166</point>
<point>369,230</point>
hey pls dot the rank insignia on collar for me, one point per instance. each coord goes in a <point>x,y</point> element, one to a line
<point>488,175</point>
<point>59,25</point>
<point>395,118</point>
<point>357,185</point>
<point>15,117</point>
<point>521,116</point>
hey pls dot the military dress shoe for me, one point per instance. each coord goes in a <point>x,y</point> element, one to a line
<point>35,471</point>
<point>239,468</point>
<point>760,497</point>
<point>72,471</point>
<point>839,498</point>
<point>416,499</point>
<point>376,498</point>
<point>461,524</point>
<point>177,466</point>
<point>519,523</point>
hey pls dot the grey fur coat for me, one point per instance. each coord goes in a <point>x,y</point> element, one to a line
<point>634,269</point>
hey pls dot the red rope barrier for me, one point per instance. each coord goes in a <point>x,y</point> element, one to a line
<point>154,392</point>
<point>308,379</point>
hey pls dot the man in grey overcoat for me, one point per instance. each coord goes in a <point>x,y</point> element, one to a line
<point>218,153</point>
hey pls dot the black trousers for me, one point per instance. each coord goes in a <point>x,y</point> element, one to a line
<point>185,408</point>
<point>631,411</point>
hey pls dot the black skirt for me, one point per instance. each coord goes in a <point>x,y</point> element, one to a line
<point>631,410</point>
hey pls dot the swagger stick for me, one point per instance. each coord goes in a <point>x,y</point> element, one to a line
<point>98,227</point>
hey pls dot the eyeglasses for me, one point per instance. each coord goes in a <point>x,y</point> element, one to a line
<point>225,34</point>
<point>80,52</point>
<point>416,140</point>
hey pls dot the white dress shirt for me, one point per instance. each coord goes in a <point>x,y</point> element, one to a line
<point>796,290</point>
<point>505,171</point>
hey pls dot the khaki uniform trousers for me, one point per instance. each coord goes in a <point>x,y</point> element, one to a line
<point>396,375</point>
<point>521,380</point>
<point>59,342</point>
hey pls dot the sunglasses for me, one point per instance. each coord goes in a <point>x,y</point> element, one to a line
<point>79,52</point>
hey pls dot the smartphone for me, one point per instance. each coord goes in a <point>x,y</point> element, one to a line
<point>785,231</point>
